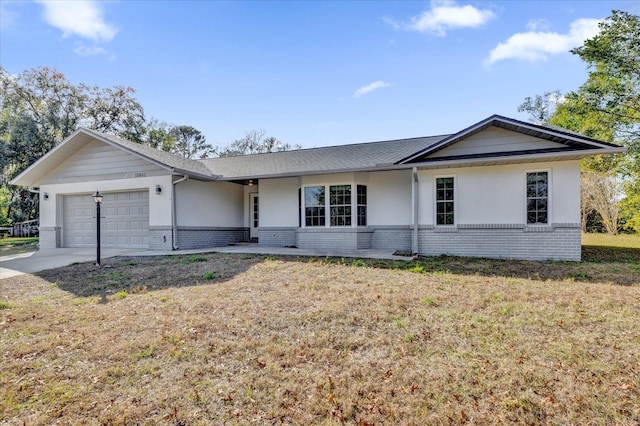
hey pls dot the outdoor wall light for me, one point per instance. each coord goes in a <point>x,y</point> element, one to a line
<point>97,197</point>
<point>158,190</point>
<point>45,196</point>
<point>250,182</point>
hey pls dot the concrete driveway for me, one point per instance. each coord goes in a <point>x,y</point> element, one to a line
<point>36,261</point>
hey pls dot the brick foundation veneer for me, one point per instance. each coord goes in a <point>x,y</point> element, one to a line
<point>193,238</point>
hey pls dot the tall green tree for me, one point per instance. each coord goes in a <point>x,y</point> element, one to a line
<point>189,142</point>
<point>38,109</point>
<point>607,107</point>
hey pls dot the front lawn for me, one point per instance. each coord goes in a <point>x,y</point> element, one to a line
<point>15,245</point>
<point>243,339</point>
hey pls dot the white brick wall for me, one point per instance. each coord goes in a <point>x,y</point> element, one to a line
<point>49,237</point>
<point>192,238</point>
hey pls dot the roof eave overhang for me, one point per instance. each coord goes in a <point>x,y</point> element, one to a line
<point>194,175</point>
<point>469,162</point>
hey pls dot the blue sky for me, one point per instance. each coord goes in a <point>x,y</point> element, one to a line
<point>311,73</point>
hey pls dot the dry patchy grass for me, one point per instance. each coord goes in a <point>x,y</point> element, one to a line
<point>239,339</point>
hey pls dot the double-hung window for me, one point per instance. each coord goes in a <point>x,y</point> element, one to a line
<point>346,205</point>
<point>314,206</point>
<point>340,205</point>
<point>445,199</point>
<point>537,198</point>
<point>362,205</point>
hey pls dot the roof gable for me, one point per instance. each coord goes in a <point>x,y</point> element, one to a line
<point>499,136</point>
<point>34,174</point>
<point>99,161</point>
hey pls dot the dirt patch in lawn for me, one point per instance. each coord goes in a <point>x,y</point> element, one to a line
<point>242,339</point>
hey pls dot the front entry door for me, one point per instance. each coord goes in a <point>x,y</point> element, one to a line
<point>254,215</point>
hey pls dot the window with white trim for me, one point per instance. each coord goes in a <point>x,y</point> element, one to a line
<point>346,207</point>
<point>340,205</point>
<point>314,207</point>
<point>445,201</point>
<point>361,205</point>
<point>537,198</point>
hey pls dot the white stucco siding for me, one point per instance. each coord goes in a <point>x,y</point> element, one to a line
<point>389,198</point>
<point>497,194</point>
<point>331,179</point>
<point>209,204</point>
<point>494,139</point>
<point>51,210</point>
<point>100,161</point>
<point>279,202</point>
<point>565,196</point>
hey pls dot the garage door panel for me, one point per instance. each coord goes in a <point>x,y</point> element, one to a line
<point>124,221</point>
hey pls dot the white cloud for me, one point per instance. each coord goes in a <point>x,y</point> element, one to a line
<point>370,88</point>
<point>82,18</point>
<point>535,46</point>
<point>538,25</point>
<point>445,15</point>
<point>83,50</point>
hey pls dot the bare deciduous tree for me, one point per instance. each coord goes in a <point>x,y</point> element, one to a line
<point>601,193</point>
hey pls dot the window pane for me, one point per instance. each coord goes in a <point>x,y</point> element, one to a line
<point>537,197</point>
<point>445,198</point>
<point>340,203</point>
<point>314,196</point>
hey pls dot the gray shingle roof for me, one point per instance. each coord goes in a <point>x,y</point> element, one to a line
<point>180,164</point>
<point>363,156</point>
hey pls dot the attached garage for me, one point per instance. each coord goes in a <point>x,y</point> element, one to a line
<point>124,220</point>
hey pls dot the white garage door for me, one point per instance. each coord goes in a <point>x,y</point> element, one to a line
<point>124,220</point>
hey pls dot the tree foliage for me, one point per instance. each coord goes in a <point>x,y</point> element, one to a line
<point>541,107</point>
<point>599,193</point>
<point>189,142</point>
<point>605,107</point>
<point>255,142</point>
<point>39,108</point>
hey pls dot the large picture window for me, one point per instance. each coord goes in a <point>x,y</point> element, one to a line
<point>537,198</point>
<point>340,205</point>
<point>346,207</point>
<point>314,206</point>
<point>445,201</point>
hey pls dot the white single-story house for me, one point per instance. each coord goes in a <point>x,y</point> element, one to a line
<point>501,188</point>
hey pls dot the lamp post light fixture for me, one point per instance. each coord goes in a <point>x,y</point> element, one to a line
<point>97,197</point>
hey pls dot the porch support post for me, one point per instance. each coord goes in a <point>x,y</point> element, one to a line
<point>174,222</point>
<point>414,202</point>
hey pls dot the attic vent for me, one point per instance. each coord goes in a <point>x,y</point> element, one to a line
<point>139,174</point>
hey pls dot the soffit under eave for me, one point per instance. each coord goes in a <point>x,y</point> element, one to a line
<point>516,159</point>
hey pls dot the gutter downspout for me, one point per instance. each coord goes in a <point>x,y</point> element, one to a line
<point>174,222</point>
<point>414,201</point>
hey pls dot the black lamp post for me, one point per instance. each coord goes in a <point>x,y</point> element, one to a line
<point>98,199</point>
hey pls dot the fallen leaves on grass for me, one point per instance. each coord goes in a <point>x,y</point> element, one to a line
<point>282,340</point>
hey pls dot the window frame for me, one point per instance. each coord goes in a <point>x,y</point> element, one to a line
<point>454,201</point>
<point>353,206</point>
<point>549,198</point>
<point>359,205</point>
<point>320,217</point>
